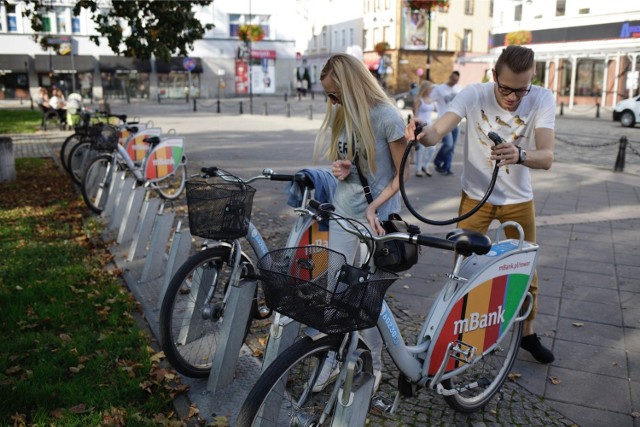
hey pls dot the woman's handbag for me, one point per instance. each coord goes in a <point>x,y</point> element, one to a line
<point>393,255</point>
<point>396,255</point>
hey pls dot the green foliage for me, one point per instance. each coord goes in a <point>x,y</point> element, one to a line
<point>139,28</point>
<point>20,121</point>
<point>72,352</point>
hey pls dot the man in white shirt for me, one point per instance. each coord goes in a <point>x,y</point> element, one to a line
<point>524,117</point>
<point>442,95</point>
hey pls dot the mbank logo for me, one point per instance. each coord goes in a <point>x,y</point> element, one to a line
<point>477,321</point>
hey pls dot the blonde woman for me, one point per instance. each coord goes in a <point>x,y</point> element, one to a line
<point>361,124</point>
<point>423,108</point>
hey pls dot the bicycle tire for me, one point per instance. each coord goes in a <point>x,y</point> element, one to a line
<point>97,182</point>
<point>190,345</point>
<point>490,373</point>
<point>172,186</point>
<point>67,145</point>
<point>80,157</point>
<point>287,383</point>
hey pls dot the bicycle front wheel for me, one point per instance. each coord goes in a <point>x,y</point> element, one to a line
<point>97,183</point>
<point>192,311</point>
<point>283,394</point>
<point>80,157</point>
<point>67,145</point>
<point>172,186</point>
<point>486,376</point>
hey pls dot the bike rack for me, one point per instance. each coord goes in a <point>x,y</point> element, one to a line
<point>143,229</point>
<point>131,213</point>
<point>178,254</point>
<point>159,237</point>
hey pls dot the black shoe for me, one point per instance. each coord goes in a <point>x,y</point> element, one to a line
<point>532,344</point>
<point>439,169</point>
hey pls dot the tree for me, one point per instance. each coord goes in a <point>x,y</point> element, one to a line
<point>138,29</point>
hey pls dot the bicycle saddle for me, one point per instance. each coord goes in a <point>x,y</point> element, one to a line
<point>153,140</point>
<point>469,242</point>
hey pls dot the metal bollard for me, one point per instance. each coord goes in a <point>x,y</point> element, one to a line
<point>159,98</point>
<point>622,148</point>
<point>266,113</point>
<point>561,108</point>
<point>195,108</point>
<point>218,106</point>
<point>310,112</point>
<point>241,107</point>
<point>285,97</point>
<point>597,110</point>
<point>288,110</point>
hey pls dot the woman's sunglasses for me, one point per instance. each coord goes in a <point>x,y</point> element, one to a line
<point>333,96</point>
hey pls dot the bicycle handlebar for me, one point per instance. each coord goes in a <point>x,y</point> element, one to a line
<point>267,173</point>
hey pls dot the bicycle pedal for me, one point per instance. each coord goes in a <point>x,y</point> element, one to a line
<point>463,352</point>
<point>381,405</point>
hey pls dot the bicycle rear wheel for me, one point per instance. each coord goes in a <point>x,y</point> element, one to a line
<point>489,374</point>
<point>172,186</point>
<point>283,395</point>
<point>97,182</point>
<point>192,312</point>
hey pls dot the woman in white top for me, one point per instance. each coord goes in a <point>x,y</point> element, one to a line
<point>423,108</point>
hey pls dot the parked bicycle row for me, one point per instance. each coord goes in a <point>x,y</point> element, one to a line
<point>106,143</point>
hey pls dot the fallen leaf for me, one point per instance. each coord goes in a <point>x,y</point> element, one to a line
<point>554,380</point>
<point>193,411</point>
<point>79,409</point>
<point>578,324</point>
<point>635,414</point>
<point>157,357</point>
<point>514,376</point>
<point>65,337</point>
<point>76,369</point>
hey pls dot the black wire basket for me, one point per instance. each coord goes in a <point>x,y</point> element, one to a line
<point>104,137</point>
<point>219,209</point>
<point>315,286</point>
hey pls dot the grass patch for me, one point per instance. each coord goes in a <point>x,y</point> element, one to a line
<point>71,351</point>
<point>20,121</point>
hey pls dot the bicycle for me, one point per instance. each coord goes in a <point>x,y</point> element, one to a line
<point>163,169</point>
<point>464,351</point>
<point>81,131</point>
<point>89,146</point>
<point>192,314</point>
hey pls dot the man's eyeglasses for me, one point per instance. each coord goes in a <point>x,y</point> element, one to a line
<point>333,96</point>
<point>506,90</point>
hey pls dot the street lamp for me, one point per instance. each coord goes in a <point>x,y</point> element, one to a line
<point>428,75</point>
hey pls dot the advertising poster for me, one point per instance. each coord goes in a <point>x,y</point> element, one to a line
<point>415,28</point>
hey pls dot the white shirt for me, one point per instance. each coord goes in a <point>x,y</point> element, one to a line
<point>478,104</point>
<point>442,95</point>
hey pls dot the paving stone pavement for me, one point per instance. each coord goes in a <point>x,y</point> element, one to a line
<point>589,232</point>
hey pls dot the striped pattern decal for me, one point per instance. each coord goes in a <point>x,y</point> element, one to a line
<point>480,317</point>
<point>163,161</point>
<point>311,237</point>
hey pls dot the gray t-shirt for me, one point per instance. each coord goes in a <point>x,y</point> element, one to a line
<point>349,199</point>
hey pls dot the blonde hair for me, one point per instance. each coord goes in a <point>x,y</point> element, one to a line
<point>359,93</point>
<point>424,87</point>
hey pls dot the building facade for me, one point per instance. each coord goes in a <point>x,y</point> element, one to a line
<point>220,65</point>
<point>587,51</point>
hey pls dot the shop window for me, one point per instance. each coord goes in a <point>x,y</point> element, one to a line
<point>176,85</point>
<point>126,84</point>
<point>561,6</point>
<point>61,21</point>
<point>565,80</point>
<point>589,77</point>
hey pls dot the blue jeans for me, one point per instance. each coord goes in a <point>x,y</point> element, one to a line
<point>445,155</point>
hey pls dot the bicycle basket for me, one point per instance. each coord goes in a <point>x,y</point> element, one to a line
<point>219,209</point>
<point>315,286</point>
<point>104,137</point>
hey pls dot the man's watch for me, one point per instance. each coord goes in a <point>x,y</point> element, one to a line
<point>522,156</point>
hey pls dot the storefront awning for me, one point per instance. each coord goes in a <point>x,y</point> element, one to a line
<point>62,64</point>
<point>14,63</point>
<point>176,65</point>
<point>113,64</point>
